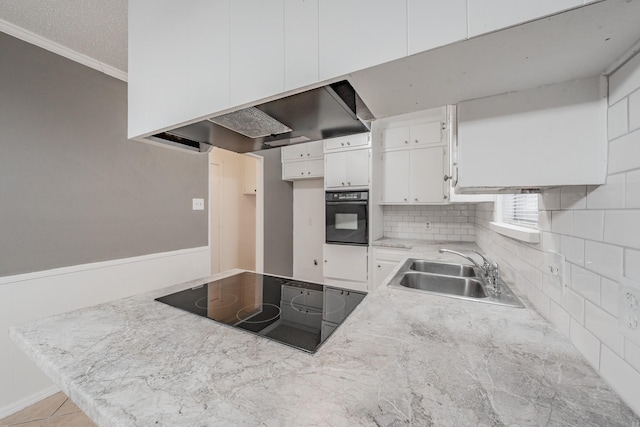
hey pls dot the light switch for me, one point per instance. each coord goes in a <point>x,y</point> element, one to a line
<point>198,204</point>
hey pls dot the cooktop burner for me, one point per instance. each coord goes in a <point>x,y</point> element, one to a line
<point>296,313</point>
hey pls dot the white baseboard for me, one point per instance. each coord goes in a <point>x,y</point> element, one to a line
<point>26,401</point>
<point>32,296</point>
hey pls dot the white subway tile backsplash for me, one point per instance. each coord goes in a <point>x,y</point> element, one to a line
<point>625,80</point>
<point>588,224</point>
<point>622,377</point>
<point>562,222</point>
<point>549,200</point>
<point>585,283</point>
<point>609,296</point>
<point>624,153</point>
<point>560,318</point>
<point>632,189</point>
<point>573,249</point>
<point>603,259</point>
<point>617,119</point>
<point>550,242</point>
<point>539,299</point>
<point>604,326</point>
<point>451,223</point>
<point>632,353</point>
<point>574,197</point>
<point>574,304</point>
<point>634,110</point>
<point>608,196</point>
<point>632,264</point>
<point>622,228</point>
<point>586,342</point>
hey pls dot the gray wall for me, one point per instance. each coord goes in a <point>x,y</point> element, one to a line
<point>278,216</point>
<point>73,189</point>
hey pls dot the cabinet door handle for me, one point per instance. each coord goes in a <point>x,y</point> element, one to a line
<point>406,142</point>
<point>405,199</point>
<point>417,141</point>
<point>416,199</point>
<point>308,154</point>
<point>447,178</point>
<point>342,143</point>
<point>343,183</point>
<point>379,266</point>
<point>348,143</point>
<point>348,183</point>
<point>308,173</point>
<point>301,154</point>
<point>301,173</point>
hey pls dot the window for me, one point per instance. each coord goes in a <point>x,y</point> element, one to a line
<point>517,217</point>
<point>519,209</point>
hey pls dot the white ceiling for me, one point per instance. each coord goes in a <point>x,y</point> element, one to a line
<point>95,28</point>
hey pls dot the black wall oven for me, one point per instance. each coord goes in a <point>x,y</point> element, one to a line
<point>347,217</point>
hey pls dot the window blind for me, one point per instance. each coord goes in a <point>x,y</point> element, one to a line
<point>520,209</point>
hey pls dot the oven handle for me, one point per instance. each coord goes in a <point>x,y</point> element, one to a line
<point>351,202</point>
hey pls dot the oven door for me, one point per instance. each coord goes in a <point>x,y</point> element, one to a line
<point>346,223</point>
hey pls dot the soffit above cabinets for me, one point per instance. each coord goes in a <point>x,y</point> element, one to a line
<point>579,43</point>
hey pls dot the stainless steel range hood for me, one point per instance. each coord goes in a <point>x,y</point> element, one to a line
<point>326,112</point>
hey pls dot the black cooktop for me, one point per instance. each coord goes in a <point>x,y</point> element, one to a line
<point>292,312</point>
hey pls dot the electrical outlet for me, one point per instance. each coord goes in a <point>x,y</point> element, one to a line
<point>427,226</point>
<point>198,204</point>
<point>554,268</point>
<point>629,303</point>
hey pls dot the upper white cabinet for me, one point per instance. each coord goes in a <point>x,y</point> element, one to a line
<point>412,135</point>
<point>357,34</point>
<point>178,62</point>
<point>347,169</point>
<point>300,43</point>
<point>549,136</point>
<point>489,15</point>
<point>415,176</point>
<point>347,142</point>
<point>257,49</point>
<point>435,23</point>
<point>303,161</point>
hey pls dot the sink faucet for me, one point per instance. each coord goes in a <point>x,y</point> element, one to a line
<point>489,269</point>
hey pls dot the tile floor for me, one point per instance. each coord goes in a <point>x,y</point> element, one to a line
<point>54,411</point>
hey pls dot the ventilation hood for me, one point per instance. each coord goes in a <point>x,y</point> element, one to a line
<point>325,112</point>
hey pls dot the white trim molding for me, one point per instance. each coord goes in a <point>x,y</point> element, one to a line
<point>27,401</point>
<point>524,234</point>
<point>58,49</point>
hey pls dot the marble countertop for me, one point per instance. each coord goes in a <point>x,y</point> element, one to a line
<point>401,358</point>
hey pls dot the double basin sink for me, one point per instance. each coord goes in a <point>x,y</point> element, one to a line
<point>453,280</point>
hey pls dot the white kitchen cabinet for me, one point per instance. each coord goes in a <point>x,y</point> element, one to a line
<point>375,33</point>
<point>303,161</point>
<point>417,134</point>
<point>359,140</point>
<point>435,23</point>
<point>347,169</point>
<point>256,55</point>
<point>302,151</point>
<point>385,260</point>
<point>415,176</point>
<point>549,136</point>
<point>345,262</point>
<point>300,43</point>
<point>166,62</point>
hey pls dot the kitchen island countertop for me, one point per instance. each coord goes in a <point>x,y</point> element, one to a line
<point>401,358</point>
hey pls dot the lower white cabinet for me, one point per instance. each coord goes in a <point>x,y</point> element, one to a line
<point>385,260</point>
<point>345,262</point>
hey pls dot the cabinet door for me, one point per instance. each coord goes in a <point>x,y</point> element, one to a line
<point>395,176</point>
<point>381,271</point>
<point>249,165</point>
<point>357,168</point>
<point>347,142</point>
<point>315,168</point>
<point>256,60</point>
<point>396,137</point>
<point>335,168</point>
<point>426,133</point>
<point>427,175</point>
<point>294,170</point>
<point>294,152</point>
<point>314,149</point>
<point>345,262</point>
<point>300,43</point>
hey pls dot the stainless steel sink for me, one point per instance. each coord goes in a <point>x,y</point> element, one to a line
<point>451,280</point>
<point>460,270</point>
<point>461,286</point>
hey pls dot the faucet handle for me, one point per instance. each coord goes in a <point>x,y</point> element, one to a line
<point>486,263</point>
